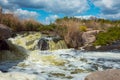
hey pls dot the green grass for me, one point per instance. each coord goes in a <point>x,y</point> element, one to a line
<point>111,35</point>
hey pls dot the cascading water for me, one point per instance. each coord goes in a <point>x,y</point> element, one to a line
<point>51,43</point>
<point>62,64</point>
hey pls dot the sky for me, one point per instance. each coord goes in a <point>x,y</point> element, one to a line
<point>47,11</point>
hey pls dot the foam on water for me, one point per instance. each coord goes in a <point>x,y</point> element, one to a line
<point>66,64</point>
<point>63,64</point>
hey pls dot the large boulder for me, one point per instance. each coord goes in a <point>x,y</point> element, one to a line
<point>4,45</point>
<point>74,39</point>
<point>89,36</point>
<point>5,32</point>
<point>112,74</point>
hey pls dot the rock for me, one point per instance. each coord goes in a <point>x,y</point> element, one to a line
<point>111,74</point>
<point>74,39</point>
<point>89,36</point>
<point>5,32</point>
<point>109,47</point>
<point>51,43</point>
<point>113,46</point>
<point>56,39</point>
<point>4,45</point>
<point>15,52</point>
<point>43,44</point>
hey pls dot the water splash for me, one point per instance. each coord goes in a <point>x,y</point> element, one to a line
<point>62,64</point>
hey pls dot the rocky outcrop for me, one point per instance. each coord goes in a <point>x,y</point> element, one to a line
<point>110,47</point>
<point>74,39</point>
<point>113,74</point>
<point>4,45</point>
<point>89,36</point>
<point>5,32</point>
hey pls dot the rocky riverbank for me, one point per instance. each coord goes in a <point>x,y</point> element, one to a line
<point>53,63</point>
<point>87,40</point>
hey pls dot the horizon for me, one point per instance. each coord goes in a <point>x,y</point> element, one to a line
<point>46,11</point>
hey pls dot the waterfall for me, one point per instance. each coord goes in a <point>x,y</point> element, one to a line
<point>34,41</point>
<point>57,45</point>
<point>51,43</point>
<point>54,62</point>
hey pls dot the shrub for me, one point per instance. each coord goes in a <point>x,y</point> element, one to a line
<point>111,35</point>
<point>69,31</point>
<point>31,25</point>
<point>11,21</point>
<point>19,25</point>
<point>83,28</point>
<point>50,27</point>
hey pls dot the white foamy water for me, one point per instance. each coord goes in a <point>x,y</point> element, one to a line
<point>63,64</point>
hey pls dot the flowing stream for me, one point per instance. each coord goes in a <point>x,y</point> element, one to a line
<point>54,64</point>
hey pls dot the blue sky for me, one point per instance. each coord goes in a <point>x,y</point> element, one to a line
<point>47,11</point>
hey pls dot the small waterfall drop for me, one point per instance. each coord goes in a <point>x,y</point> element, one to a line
<point>51,43</point>
<point>37,41</point>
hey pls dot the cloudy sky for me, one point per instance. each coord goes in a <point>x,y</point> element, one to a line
<point>47,11</point>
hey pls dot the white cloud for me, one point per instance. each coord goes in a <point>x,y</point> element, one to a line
<point>23,14</point>
<point>109,8</point>
<point>84,17</point>
<point>51,19</point>
<point>111,16</point>
<point>104,3</point>
<point>68,7</point>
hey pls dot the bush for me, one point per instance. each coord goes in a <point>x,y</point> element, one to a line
<point>83,28</point>
<point>19,25</point>
<point>111,35</point>
<point>11,21</point>
<point>50,27</point>
<point>69,31</point>
<point>31,25</point>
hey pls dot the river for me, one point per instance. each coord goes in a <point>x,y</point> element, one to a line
<point>60,64</point>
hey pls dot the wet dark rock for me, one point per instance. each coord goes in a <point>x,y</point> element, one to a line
<point>5,33</point>
<point>4,45</point>
<point>4,71</point>
<point>43,44</point>
<point>110,47</point>
<point>56,39</point>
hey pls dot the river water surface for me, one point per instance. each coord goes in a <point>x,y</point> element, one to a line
<point>61,64</point>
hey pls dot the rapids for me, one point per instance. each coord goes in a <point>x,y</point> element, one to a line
<point>61,64</point>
